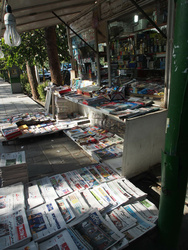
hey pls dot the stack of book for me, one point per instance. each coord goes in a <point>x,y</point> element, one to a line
<point>13,168</point>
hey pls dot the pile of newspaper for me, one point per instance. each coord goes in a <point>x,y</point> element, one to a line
<point>13,168</point>
<point>89,208</point>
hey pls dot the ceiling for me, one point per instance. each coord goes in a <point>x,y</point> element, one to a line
<point>36,14</point>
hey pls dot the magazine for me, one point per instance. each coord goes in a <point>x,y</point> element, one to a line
<point>109,152</point>
<point>33,195</point>
<point>93,228</point>
<point>47,190</point>
<point>62,241</point>
<point>14,230</point>
<point>12,198</point>
<point>45,221</point>
<point>60,185</point>
<point>115,164</point>
<point>65,209</point>
<point>104,173</point>
<point>77,203</point>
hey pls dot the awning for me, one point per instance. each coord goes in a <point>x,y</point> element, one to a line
<point>36,14</point>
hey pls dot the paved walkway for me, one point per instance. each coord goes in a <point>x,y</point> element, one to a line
<point>45,155</point>
<point>56,153</point>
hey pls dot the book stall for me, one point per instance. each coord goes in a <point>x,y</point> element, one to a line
<point>89,208</point>
<point>27,125</point>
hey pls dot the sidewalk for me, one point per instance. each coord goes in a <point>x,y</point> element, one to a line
<point>56,153</point>
<point>45,155</point>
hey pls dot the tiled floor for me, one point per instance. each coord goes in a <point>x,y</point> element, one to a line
<point>56,153</point>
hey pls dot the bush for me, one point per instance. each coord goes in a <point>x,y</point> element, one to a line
<point>25,84</point>
<point>41,91</point>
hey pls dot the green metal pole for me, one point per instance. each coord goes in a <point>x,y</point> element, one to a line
<point>175,155</point>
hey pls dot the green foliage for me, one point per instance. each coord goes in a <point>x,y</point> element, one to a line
<point>41,91</point>
<point>25,84</point>
<point>24,78</point>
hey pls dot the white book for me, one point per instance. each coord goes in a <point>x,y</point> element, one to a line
<point>62,240</point>
<point>33,195</point>
<point>65,209</point>
<point>14,230</point>
<point>45,221</point>
<point>12,198</point>
<point>60,185</point>
<point>46,188</point>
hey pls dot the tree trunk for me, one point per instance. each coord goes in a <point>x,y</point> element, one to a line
<point>32,80</point>
<point>54,63</point>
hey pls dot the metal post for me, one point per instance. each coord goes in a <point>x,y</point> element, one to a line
<point>97,58</point>
<point>108,56</point>
<point>175,155</point>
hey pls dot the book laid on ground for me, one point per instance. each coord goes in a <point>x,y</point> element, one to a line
<point>62,241</point>
<point>96,230</point>
<point>12,198</point>
<point>60,185</point>
<point>29,246</point>
<point>14,230</point>
<point>45,221</point>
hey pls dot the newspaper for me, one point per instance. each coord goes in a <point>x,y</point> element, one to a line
<point>138,193</point>
<point>16,158</point>
<point>12,198</point>
<point>14,230</point>
<point>96,230</point>
<point>111,171</point>
<point>60,185</point>
<point>150,206</point>
<point>115,164</point>
<point>144,212</point>
<point>122,219</point>
<point>93,170</point>
<point>88,177</point>
<point>116,196</point>
<point>142,226</point>
<point>93,203</point>
<point>46,189</point>
<point>33,195</point>
<point>104,173</point>
<point>80,242</point>
<point>30,246</point>
<point>99,198</point>
<point>114,185</point>
<point>77,203</point>
<point>75,181</point>
<point>45,221</point>
<point>62,240</point>
<point>65,209</point>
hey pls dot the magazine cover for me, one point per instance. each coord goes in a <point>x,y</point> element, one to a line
<point>65,209</point>
<point>14,230</point>
<point>45,220</point>
<point>12,198</point>
<point>61,241</point>
<point>96,231</point>
<point>60,185</point>
<point>32,195</point>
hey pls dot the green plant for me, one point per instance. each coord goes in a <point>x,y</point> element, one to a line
<point>25,84</point>
<point>41,91</point>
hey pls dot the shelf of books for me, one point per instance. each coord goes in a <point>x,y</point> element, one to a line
<point>88,208</point>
